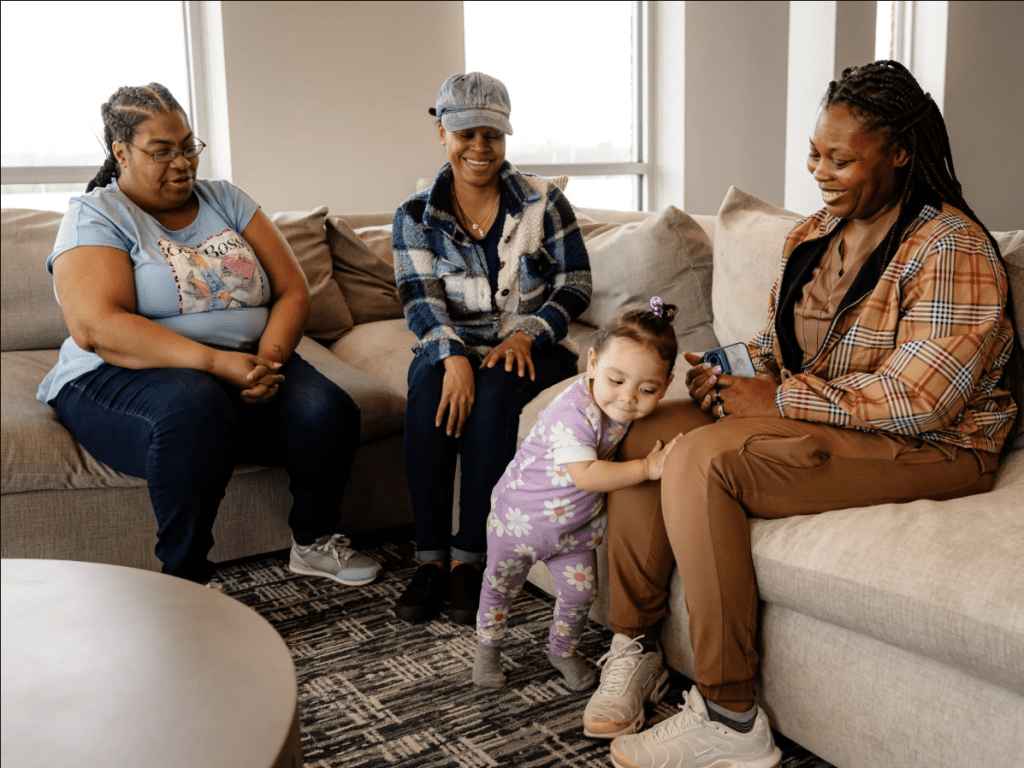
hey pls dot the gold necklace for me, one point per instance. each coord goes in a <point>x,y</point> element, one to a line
<point>466,216</point>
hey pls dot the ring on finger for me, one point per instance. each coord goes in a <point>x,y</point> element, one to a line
<point>721,410</point>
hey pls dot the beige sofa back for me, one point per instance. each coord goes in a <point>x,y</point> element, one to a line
<point>748,247</point>
<point>30,317</point>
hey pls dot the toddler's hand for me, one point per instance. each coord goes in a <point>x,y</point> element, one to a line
<point>655,460</point>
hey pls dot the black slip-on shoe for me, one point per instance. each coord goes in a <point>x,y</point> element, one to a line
<point>424,594</point>
<point>465,594</point>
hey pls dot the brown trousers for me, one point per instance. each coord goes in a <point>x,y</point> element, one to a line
<point>696,517</point>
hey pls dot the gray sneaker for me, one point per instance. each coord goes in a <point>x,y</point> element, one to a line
<point>629,679</point>
<point>691,739</point>
<point>332,558</point>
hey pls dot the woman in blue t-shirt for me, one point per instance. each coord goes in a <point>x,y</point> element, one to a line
<point>185,306</point>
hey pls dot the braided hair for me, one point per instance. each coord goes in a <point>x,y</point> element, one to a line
<point>123,113</point>
<point>650,327</point>
<point>886,97</point>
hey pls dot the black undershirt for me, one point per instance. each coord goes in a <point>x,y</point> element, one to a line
<point>489,244</point>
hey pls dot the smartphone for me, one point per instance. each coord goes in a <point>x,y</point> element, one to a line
<point>733,359</point>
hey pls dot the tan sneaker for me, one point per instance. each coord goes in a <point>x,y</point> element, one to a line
<point>629,679</point>
<point>691,739</point>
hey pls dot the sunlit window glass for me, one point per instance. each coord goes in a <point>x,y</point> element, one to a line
<point>62,60</point>
<point>570,72</point>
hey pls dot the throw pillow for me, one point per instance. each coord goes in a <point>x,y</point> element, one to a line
<point>367,282</point>
<point>305,232</point>
<point>1012,246</point>
<point>378,240</point>
<point>748,253</point>
<point>31,317</point>
<point>668,255</point>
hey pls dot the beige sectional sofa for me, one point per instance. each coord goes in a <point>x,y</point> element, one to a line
<point>892,635</point>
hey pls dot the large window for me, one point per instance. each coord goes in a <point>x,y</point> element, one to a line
<point>574,73</point>
<point>61,61</point>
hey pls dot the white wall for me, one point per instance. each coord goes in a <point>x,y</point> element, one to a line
<point>824,39</point>
<point>984,109</point>
<point>736,68</point>
<point>327,102</point>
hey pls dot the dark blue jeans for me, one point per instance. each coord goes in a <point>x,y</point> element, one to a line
<point>183,432</point>
<point>487,445</point>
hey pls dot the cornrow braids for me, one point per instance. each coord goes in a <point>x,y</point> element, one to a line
<point>649,327</point>
<point>887,97</point>
<point>128,108</point>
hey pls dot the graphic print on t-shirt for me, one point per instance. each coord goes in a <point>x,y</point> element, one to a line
<point>219,273</point>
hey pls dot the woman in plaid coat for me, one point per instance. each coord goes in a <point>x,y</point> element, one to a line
<point>884,374</point>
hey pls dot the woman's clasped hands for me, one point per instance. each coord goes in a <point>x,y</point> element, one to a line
<point>723,395</point>
<point>255,377</point>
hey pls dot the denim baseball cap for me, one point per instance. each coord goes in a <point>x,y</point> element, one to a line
<point>472,100</point>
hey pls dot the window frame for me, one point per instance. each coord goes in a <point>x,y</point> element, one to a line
<point>198,109</point>
<point>641,165</point>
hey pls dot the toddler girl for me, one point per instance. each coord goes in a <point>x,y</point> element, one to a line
<point>548,504</point>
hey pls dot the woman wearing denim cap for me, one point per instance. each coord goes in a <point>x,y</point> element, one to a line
<point>185,306</point>
<point>887,371</point>
<point>491,269</point>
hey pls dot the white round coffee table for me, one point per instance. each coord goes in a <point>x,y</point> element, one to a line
<point>111,666</point>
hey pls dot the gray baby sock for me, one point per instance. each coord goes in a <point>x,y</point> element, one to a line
<point>577,674</point>
<point>487,667</point>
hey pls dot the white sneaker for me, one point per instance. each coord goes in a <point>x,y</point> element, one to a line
<point>629,679</point>
<point>331,557</point>
<point>691,739</point>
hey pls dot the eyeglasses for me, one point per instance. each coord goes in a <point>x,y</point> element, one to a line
<point>168,155</point>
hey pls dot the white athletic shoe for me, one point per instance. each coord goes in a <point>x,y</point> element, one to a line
<point>690,739</point>
<point>629,679</point>
<point>333,558</point>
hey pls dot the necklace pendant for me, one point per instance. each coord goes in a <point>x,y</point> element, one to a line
<point>476,227</point>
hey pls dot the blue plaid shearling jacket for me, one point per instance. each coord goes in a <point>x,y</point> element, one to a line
<point>543,280</point>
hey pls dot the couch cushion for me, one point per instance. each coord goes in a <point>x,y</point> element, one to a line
<point>382,349</point>
<point>30,317</point>
<point>382,408</point>
<point>668,255</point>
<point>38,453</point>
<point>942,579</point>
<point>306,233</point>
<point>367,282</point>
<point>748,252</point>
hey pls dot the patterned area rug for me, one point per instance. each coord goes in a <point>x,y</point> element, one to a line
<point>375,691</point>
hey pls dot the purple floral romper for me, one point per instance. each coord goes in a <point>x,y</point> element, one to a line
<point>537,513</point>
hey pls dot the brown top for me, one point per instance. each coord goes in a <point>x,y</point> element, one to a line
<point>831,280</point>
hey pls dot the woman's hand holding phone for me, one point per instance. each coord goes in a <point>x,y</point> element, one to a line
<point>740,393</point>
